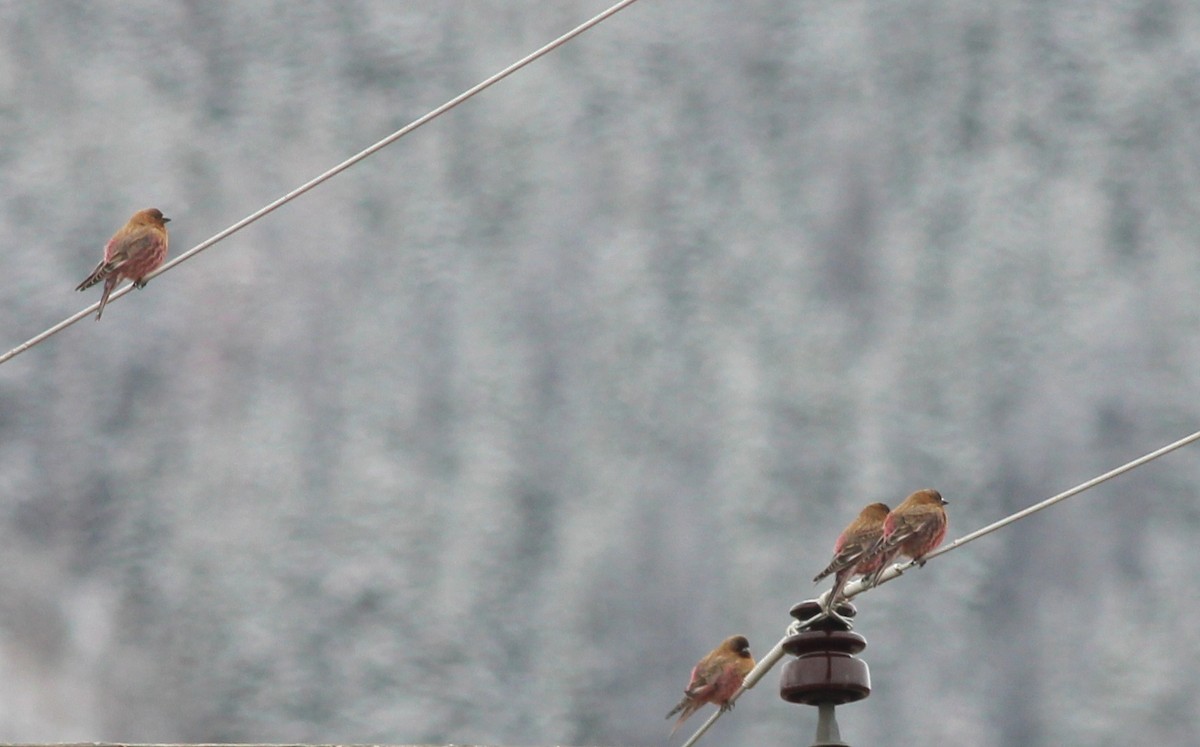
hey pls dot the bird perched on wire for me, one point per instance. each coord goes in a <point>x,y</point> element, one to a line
<point>853,552</point>
<point>716,678</point>
<point>911,529</point>
<point>133,252</point>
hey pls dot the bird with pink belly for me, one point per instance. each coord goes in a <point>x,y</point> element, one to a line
<point>853,552</point>
<point>716,678</point>
<point>133,252</point>
<point>912,529</point>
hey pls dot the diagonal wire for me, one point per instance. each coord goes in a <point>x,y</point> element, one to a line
<point>858,587</point>
<point>332,172</point>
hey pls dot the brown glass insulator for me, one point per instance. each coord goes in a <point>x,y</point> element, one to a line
<point>825,670</point>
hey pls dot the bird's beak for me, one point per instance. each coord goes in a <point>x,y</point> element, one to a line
<point>166,220</point>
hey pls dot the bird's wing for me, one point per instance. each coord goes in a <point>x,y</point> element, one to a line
<point>132,247</point>
<point>704,676</point>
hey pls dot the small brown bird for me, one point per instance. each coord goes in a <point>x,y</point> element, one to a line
<point>852,552</point>
<point>133,252</point>
<point>912,529</point>
<point>716,678</point>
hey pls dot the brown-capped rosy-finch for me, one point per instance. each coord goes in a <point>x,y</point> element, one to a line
<point>716,678</point>
<point>852,553</point>
<point>912,529</point>
<point>133,252</point>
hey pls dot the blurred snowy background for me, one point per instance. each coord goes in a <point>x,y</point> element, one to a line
<point>492,437</point>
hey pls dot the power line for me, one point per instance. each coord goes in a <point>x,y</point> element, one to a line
<point>773,656</point>
<point>332,172</point>
<point>856,587</point>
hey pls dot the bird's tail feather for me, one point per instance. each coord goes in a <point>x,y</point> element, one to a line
<point>100,273</point>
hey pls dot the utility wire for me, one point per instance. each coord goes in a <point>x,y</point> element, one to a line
<point>857,587</point>
<point>331,172</point>
<point>773,656</point>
